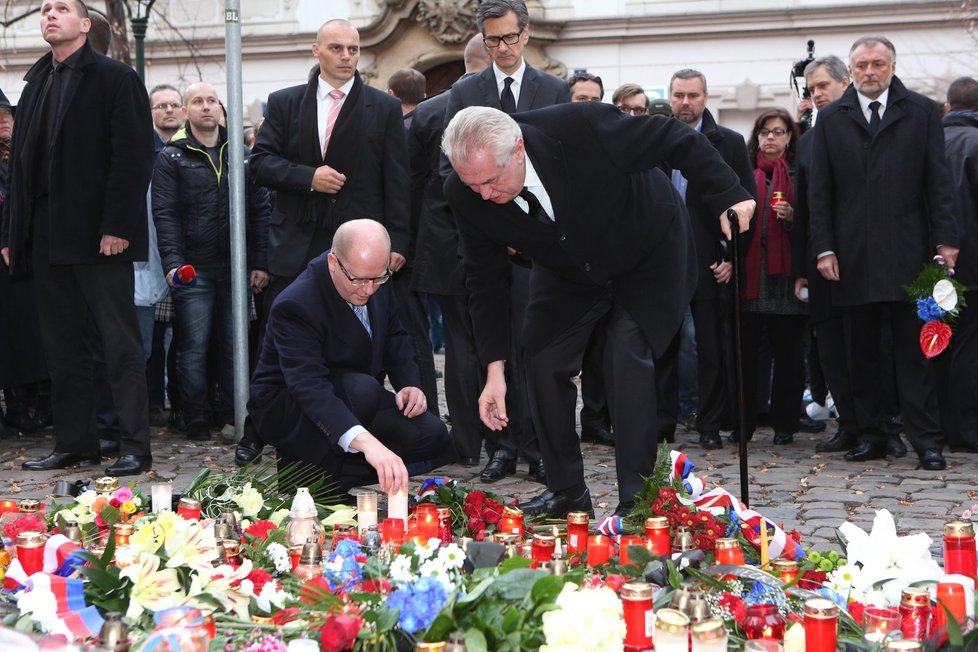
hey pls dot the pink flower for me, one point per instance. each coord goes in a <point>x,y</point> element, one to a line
<point>122,494</point>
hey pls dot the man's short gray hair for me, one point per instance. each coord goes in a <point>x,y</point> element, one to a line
<point>498,9</point>
<point>480,129</point>
<point>834,66</point>
<point>871,41</point>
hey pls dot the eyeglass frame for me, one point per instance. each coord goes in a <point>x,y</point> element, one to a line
<point>764,133</point>
<point>509,39</point>
<point>358,281</point>
<point>163,106</point>
<point>633,110</point>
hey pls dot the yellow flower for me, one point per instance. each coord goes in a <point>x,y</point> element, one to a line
<point>128,507</point>
<point>170,521</point>
<point>223,584</point>
<point>193,546</point>
<point>249,500</point>
<point>153,589</point>
<point>147,537</point>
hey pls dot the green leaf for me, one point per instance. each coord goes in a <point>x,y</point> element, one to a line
<point>511,621</point>
<point>475,641</point>
<point>476,592</point>
<point>441,626</point>
<point>954,636</point>
<point>547,588</point>
<point>513,563</point>
<point>516,585</point>
<point>640,555</point>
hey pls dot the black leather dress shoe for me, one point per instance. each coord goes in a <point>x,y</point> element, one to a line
<point>597,436</point>
<point>500,465</point>
<point>895,447</point>
<point>932,460</point>
<point>538,472</point>
<point>710,440</point>
<point>841,441</point>
<point>783,438</point>
<point>469,461</point>
<point>808,424</point>
<point>130,465</point>
<point>866,451</point>
<point>57,460</point>
<point>557,504</point>
<point>735,436</point>
<point>108,446</point>
<point>623,509</point>
<point>246,452</point>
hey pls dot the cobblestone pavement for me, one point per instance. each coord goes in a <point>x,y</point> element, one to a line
<point>808,491</point>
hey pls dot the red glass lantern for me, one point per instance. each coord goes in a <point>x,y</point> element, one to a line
<point>764,621</point>
<point>959,549</point>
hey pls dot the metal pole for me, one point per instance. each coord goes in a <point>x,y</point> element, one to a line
<point>239,270</point>
<point>738,357</point>
<point>139,24</point>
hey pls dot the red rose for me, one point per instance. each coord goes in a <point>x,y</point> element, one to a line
<point>339,633</point>
<point>479,536</point>
<point>735,606</point>
<point>856,610</point>
<point>476,525</point>
<point>812,580</point>
<point>312,590</point>
<point>614,582</point>
<point>287,615</point>
<point>260,529</point>
<point>492,512</point>
<point>476,498</point>
<point>470,510</point>
<point>380,585</point>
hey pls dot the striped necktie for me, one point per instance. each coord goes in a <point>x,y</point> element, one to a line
<point>361,313</point>
<point>334,112</point>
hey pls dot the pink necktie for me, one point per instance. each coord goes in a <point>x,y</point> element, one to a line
<point>334,112</point>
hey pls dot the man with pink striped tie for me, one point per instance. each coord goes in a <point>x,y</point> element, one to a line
<point>332,149</point>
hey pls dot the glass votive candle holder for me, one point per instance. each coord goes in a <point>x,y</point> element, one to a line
<point>623,544</point>
<point>764,621</point>
<point>880,623</point>
<point>543,547</point>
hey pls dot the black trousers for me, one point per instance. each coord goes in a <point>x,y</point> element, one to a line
<point>786,334</point>
<point>831,337</point>
<point>414,317</point>
<point>915,384</point>
<point>629,372</point>
<point>66,295</point>
<point>714,361</point>
<point>957,373</point>
<point>464,376</point>
<point>594,403</point>
<point>282,423</point>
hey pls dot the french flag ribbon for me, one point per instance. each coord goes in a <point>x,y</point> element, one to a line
<point>429,486</point>
<point>682,469</point>
<point>58,605</point>
<point>58,559</point>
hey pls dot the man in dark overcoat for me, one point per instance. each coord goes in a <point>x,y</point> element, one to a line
<point>881,207</point>
<point>575,187</point>
<point>80,163</point>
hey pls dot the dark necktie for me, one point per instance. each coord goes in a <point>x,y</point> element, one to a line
<point>51,99</point>
<point>874,119</point>
<point>535,209</point>
<point>361,313</point>
<point>507,102</point>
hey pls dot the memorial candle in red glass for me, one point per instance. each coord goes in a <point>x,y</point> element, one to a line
<point>577,525</point>
<point>764,621</point>
<point>189,508</point>
<point>657,532</point>
<point>915,613</point>
<point>959,549</point>
<point>627,540</point>
<point>598,550</point>
<point>543,547</point>
<point>821,625</point>
<point>636,602</point>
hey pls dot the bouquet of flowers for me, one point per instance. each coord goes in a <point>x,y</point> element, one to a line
<point>98,511</point>
<point>939,299</point>
<point>475,514</point>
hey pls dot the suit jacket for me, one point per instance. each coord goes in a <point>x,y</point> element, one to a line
<point>961,134</point>
<point>438,253</point>
<point>377,187</point>
<point>313,335</point>
<point>803,261</point>
<point>619,225</point>
<point>882,203</point>
<point>101,163</point>
<point>706,226</point>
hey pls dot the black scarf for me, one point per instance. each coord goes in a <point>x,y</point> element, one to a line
<point>344,145</point>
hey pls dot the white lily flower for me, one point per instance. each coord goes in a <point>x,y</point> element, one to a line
<point>945,295</point>
<point>884,558</point>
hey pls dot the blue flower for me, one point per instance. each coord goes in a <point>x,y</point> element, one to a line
<point>928,310</point>
<point>418,603</point>
<point>826,592</point>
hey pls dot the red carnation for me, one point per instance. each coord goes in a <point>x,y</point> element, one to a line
<point>856,610</point>
<point>339,633</point>
<point>379,585</point>
<point>614,582</point>
<point>934,338</point>
<point>795,535</point>
<point>260,529</point>
<point>259,578</point>
<point>735,606</point>
<point>27,523</point>
<point>312,590</point>
<point>812,580</point>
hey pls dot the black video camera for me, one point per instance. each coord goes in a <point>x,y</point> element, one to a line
<point>798,73</point>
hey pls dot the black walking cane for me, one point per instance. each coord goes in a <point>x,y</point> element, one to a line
<point>738,357</point>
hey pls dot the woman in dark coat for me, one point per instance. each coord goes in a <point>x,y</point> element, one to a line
<point>768,303</point>
<point>21,353</point>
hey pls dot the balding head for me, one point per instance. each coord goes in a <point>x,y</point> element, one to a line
<point>361,251</point>
<point>476,55</point>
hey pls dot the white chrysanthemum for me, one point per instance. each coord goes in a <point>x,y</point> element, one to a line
<point>426,551</point>
<point>434,568</point>
<point>451,556</point>
<point>249,500</point>
<point>401,570</point>
<point>86,498</point>
<point>280,557</point>
<point>588,619</point>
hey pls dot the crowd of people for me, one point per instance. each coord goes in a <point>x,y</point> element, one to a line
<point>559,236</point>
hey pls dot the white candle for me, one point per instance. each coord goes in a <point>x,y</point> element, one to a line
<point>366,510</point>
<point>558,551</point>
<point>162,495</point>
<point>397,506</point>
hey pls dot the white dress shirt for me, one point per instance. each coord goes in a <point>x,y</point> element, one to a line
<point>535,185</point>
<point>324,103</point>
<point>517,80</point>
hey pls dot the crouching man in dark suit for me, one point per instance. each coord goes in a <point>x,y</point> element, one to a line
<point>317,394</point>
<point>575,188</point>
